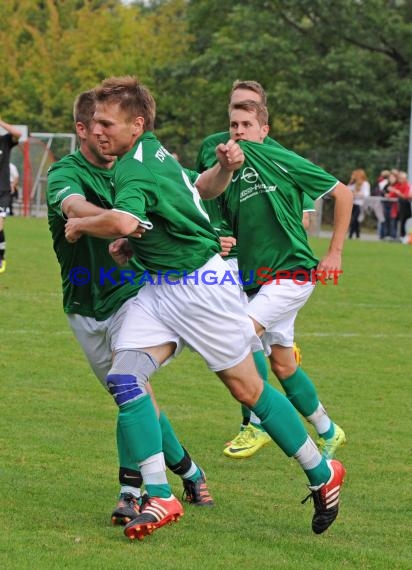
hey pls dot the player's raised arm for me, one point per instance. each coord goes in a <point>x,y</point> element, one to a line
<point>215,180</point>
<point>14,131</point>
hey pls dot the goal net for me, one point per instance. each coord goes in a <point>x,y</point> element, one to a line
<point>32,157</point>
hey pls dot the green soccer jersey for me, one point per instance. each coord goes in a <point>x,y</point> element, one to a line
<point>152,186</point>
<point>308,204</point>
<point>206,158</point>
<point>264,204</point>
<point>93,285</point>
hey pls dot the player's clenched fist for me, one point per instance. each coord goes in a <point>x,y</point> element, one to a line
<point>230,155</point>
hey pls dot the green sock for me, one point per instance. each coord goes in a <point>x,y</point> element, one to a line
<point>301,391</point>
<point>330,433</point>
<point>280,420</point>
<point>172,448</point>
<point>141,434</point>
<point>319,474</point>
<point>140,429</point>
<point>262,368</point>
<point>245,414</point>
<point>122,450</point>
<point>177,458</point>
<point>261,364</point>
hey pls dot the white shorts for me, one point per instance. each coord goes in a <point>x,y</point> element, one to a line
<point>98,339</point>
<point>276,306</point>
<point>209,318</point>
<point>234,268</point>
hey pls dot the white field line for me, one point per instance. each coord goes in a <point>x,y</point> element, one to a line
<point>353,334</point>
<point>34,332</point>
<point>35,295</point>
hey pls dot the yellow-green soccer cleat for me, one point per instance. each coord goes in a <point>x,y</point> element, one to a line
<point>248,441</point>
<point>2,265</point>
<point>328,447</point>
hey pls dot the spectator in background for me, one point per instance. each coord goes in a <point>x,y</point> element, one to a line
<point>402,190</point>
<point>378,191</point>
<point>7,142</point>
<point>381,183</point>
<point>360,187</point>
<point>390,207</point>
<point>14,186</point>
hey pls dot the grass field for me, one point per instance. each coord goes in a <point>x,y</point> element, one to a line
<point>58,459</point>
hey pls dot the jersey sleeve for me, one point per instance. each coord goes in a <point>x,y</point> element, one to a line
<point>308,204</point>
<point>135,192</point>
<point>192,175</point>
<point>61,184</point>
<point>308,177</point>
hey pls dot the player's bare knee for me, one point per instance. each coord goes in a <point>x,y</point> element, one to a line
<point>247,393</point>
<point>282,370</point>
<point>130,371</point>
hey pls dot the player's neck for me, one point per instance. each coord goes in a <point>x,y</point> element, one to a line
<point>95,159</point>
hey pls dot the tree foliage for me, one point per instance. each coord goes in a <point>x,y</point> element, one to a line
<point>338,75</point>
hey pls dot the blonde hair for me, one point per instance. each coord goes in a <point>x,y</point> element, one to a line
<point>251,86</point>
<point>132,97</point>
<point>358,177</point>
<point>259,109</point>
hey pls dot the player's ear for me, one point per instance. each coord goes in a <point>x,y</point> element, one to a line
<point>81,130</point>
<point>138,125</point>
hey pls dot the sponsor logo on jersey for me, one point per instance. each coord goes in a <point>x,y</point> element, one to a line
<point>250,175</point>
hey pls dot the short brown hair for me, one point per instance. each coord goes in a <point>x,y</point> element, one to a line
<point>250,106</point>
<point>84,107</point>
<point>252,86</point>
<point>133,98</point>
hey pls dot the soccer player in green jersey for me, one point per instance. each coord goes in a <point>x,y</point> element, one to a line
<point>182,305</point>
<point>251,436</point>
<point>96,294</point>
<point>264,203</point>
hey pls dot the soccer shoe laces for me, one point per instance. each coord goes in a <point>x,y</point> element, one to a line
<point>244,437</point>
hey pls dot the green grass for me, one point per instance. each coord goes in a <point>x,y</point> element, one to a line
<point>58,458</point>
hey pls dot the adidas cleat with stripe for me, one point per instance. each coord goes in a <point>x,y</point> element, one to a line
<point>326,498</point>
<point>154,513</point>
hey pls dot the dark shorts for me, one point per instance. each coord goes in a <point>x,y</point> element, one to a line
<point>5,200</point>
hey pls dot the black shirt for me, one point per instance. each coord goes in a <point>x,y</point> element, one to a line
<point>6,144</point>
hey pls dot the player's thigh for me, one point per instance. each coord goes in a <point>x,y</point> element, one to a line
<point>210,316</point>
<point>94,340</point>
<point>141,326</point>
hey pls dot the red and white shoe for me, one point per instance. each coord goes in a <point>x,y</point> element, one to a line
<point>326,498</point>
<point>154,513</point>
